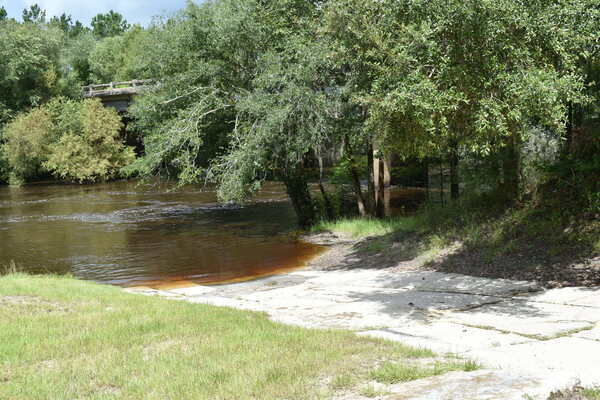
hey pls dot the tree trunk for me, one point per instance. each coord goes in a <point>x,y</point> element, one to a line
<point>371,192</point>
<point>327,202</point>
<point>426,179</point>
<point>454,187</point>
<point>360,200</point>
<point>296,186</point>
<point>441,182</point>
<point>511,168</point>
<point>380,170</point>
<point>569,132</point>
<point>355,178</point>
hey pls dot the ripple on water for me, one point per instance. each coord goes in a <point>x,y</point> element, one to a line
<point>118,233</point>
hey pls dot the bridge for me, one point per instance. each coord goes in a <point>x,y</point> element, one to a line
<point>117,95</point>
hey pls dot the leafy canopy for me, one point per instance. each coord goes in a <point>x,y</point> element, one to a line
<point>109,24</point>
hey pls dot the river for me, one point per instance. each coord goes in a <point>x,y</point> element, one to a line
<point>130,233</point>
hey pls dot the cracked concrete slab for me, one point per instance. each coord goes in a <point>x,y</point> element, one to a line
<point>565,357</point>
<point>590,334</point>
<point>444,336</point>
<point>576,296</point>
<point>455,283</point>
<point>480,385</point>
<point>545,320</point>
<point>551,336</point>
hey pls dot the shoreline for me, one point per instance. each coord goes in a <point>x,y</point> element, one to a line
<point>516,329</point>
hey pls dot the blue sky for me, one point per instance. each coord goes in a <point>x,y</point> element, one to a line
<point>134,11</point>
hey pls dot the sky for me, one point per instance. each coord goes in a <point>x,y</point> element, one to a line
<point>134,11</point>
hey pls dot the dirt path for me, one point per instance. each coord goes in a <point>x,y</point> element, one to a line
<point>529,340</point>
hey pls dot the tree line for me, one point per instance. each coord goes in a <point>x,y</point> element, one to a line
<point>252,90</point>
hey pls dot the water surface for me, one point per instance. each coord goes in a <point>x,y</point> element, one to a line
<point>127,233</point>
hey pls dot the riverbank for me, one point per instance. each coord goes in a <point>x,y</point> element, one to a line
<point>531,339</point>
<point>547,245</point>
<point>64,338</point>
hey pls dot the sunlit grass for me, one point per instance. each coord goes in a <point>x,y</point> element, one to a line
<point>591,394</point>
<point>61,338</point>
<point>392,373</point>
<point>365,227</point>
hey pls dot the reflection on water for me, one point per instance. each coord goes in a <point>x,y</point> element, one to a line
<point>128,234</point>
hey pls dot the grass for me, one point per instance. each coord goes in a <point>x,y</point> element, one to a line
<point>576,393</point>
<point>371,391</point>
<point>591,394</point>
<point>392,373</point>
<point>365,227</point>
<point>486,236</point>
<point>61,338</point>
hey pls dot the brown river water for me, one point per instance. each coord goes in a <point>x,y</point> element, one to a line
<point>129,233</point>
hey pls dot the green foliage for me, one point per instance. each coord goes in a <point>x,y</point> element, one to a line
<point>119,58</point>
<point>207,55</point>
<point>34,14</point>
<point>3,14</point>
<point>392,373</point>
<point>423,92</point>
<point>4,167</point>
<point>108,25</point>
<point>251,87</point>
<point>76,57</point>
<point>29,66</point>
<point>66,24</point>
<point>105,59</point>
<point>89,148</point>
<point>27,139</point>
<point>73,141</point>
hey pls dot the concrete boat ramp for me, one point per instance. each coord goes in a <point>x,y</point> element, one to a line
<point>530,341</point>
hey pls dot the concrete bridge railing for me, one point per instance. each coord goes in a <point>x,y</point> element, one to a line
<point>116,88</point>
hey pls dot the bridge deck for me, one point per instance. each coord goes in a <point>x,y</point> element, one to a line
<point>116,88</point>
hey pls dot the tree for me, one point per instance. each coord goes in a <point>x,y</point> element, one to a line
<point>282,122</point>
<point>29,66</point>
<point>285,116</point>
<point>122,57</point>
<point>106,58</point>
<point>74,141</point>
<point>205,59</point>
<point>76,55</point>
<point>450,77</point>
<point>34,14</point>
<point>27,138</point>
<point>108,25</point>
<point>235,103</point>
<point>66,24</point>
<point>3,14</point>
<point>90,149</point>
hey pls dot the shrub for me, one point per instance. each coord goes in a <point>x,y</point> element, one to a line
<point>27,139</point>
<point>94,150</point>
<point>4,167</point>
<point>76,141</point>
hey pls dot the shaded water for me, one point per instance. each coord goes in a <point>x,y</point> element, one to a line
<point>128,234</point>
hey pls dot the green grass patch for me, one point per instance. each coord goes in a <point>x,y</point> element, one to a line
<point>62,338</point>
<point>577,392</point>
<point>591,394</point>
<point>371,391</point>
<point>365,227</point>
<point>391,373</point>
